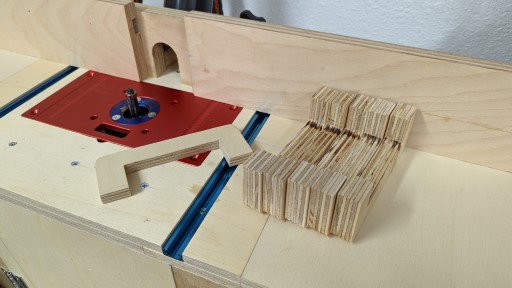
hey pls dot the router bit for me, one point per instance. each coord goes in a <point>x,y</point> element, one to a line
<point>133,103</point>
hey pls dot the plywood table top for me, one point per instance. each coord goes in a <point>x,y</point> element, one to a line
<point>438,222</point>
<point>39,169</point>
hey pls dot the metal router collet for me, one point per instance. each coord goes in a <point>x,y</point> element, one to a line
<point>133,102</point>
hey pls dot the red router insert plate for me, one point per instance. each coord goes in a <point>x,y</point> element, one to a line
<point>89,105</point>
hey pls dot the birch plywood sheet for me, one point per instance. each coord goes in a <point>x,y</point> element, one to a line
<point>43,246</point>
<point>13,62</point>
<point>162,25</point>
<point>464,103</point>
<point>20,82</point>
<point>185,279</point>
<point>439,222</point>
<point>225,240</point>
<point>39,168</point>
<point>97,35</point>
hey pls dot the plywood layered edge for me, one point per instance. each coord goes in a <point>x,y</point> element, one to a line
<point>437,216</point>
<point>45,247</point>
<point>111,169</point>
<point>119,238</point>
<point>78,222</point>
<point>464,103</point>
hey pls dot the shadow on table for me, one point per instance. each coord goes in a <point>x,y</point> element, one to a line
<point>387,212</point>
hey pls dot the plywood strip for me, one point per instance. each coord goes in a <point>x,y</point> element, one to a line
<point>92,34</point>
<point>328,175</point>
<point>111,169</point>
<point>464,102</point>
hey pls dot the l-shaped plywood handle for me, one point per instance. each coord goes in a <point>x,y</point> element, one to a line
<point>111,169</point>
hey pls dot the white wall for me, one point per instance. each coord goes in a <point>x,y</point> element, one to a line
<point>159,3</point>
<point>474,28</point>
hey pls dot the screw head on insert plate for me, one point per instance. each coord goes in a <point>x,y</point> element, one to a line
<point>151,114</point>
<point>116,117</point>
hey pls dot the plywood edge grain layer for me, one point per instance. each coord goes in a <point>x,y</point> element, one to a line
<point>185,278</point>
<point>189,268</point>
<point>330,174</point>
<point>43,246</point>
<point>121,238</point>
<point>111,169</point>
<point>464,104</point>
<point>433,212</point>
<point>109,234</point>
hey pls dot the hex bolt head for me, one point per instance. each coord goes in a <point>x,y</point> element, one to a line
<point>116,117</point>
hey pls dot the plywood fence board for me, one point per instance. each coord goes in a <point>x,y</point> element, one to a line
<point>162,25</point>
<point>464,104</point>
<point>92,34</point>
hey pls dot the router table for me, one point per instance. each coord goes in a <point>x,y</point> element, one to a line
<point>442,218</point>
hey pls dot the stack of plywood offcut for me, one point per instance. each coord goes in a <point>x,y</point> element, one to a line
<point>327,177</point>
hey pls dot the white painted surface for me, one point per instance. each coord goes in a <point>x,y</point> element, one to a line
<point>159,3</point>
<point>481,29</point>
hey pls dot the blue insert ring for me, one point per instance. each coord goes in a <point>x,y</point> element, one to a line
<point>120,114</point>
